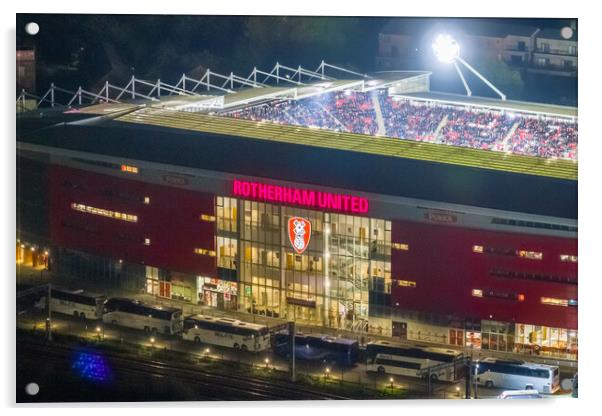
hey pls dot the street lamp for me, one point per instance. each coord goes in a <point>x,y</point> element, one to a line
<point>327,372</point>
<point>476,372</point>
<point>152,342</point>
<point>267,363</point>
<point>100,333</point>
<point>447,51</point>
<point>391,380</point>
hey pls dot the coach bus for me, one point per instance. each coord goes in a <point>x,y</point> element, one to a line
<point>78,303</point>
<point>319,348</point>
<point>518,375</point>
<point>386,357</point>
<point>135,314</point>
<point>226,332</point>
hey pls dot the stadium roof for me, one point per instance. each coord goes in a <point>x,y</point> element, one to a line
<point>495,104</point>
<point>384,146</point>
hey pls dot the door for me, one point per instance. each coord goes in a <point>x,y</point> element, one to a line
<point>165,289</point>
<point>400,329</point>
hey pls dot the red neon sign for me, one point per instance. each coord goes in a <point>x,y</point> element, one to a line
<point>301,197</point>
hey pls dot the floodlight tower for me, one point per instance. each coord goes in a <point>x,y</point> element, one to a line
<point>447,51</point>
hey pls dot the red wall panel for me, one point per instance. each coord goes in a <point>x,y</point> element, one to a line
<point>441,261</point>
<point>171,220</point>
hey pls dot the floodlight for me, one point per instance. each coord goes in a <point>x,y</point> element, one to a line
<point>446,49</point>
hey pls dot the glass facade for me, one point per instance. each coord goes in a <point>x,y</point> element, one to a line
<point>328,284</point>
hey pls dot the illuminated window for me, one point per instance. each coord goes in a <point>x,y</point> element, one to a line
<point>401,246</point>
<point>204,252</point>
<point>104,212</point>
<point>555,302</point>
<point>533,255</point>
<point>208,218</point>
<point>521,297</point>
<point>568,257</point>
<point>477,292</point>
<point>406,283</point>
<point>147,200</point>
<point>477,249</point>
<point>147,241</point>
<point>129,169</point>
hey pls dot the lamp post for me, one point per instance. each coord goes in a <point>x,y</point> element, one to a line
<point>267,363</point>
<point>100,333</point>
<point>391,380</point>
<point>476,372</point>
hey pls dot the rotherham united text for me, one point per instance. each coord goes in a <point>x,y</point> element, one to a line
<point>303,197</point>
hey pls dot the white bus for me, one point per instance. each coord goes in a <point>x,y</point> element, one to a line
<point>387,357</point>
<point>78,303</point>
<point>518,375</point>
<point>226,332</point>
<point>135,314</point>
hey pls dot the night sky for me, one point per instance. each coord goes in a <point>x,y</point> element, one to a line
<point>85,50</point>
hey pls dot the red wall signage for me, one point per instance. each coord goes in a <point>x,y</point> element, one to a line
<point>299,233</point>
<point>301,197</point>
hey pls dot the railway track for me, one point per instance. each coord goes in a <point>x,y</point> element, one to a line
<point>210,385</point>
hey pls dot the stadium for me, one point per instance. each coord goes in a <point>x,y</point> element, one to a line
<point>361,202</point>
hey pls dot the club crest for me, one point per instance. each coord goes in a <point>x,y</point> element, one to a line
<point>299,233</point>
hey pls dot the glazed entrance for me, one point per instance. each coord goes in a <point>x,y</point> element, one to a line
<point>327,284</point>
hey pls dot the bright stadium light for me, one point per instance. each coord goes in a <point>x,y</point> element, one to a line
<point>447,51</point>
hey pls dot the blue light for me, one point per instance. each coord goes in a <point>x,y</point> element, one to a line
<point>91,366</point>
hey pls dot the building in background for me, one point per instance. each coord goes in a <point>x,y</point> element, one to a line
<point>403,42</point>
<point>26,70</point>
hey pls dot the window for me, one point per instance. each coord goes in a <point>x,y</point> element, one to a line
<point>406,283</point>
<point>401,246</point>
<point>147,200</point>
<point>208,218</point>
<point>533,276</point>
<point>104,212</point>
<point>533,255</point>
<point>204,252</point>
<point>568,258</point>
<point>477,249</point>
<point>492,293</point>
<point>554,301</point>
<point>147,241</point>
<point>129,169</point>
<point>545,47</point>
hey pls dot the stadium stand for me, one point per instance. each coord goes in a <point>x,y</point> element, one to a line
<point>354,112</point>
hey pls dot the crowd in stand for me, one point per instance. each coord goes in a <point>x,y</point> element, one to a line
<point>357,112</point>
<point>548,139</point>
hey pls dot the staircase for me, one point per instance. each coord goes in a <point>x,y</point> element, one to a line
<point>508,136</point>
<point>336,120</point>
<point>382,130</point>
<point>442,124</point>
